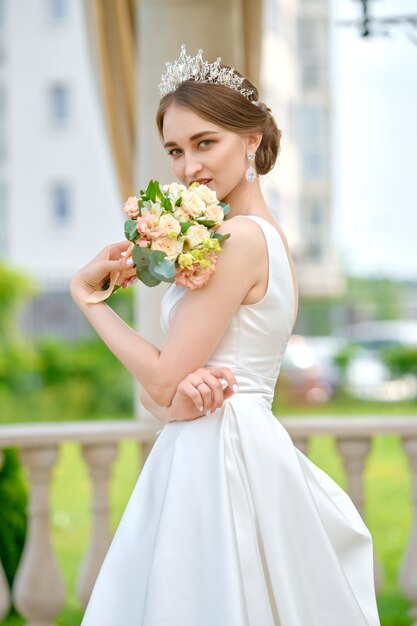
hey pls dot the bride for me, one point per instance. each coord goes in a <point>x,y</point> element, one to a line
<point>228,524</point>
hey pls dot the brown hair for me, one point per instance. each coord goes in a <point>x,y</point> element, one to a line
<point>231,110</point>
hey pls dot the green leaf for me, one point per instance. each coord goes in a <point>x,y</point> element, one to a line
<point>206,222</point>
<point>178,201</point>
<point>131,230</point>
<point>185,226</point>
<point>164,270</point>
<point>158,190</point>
<point>220,238</point>
<point>166,204</point>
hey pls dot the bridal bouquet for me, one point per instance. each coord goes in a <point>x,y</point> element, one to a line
<point>172,233</point>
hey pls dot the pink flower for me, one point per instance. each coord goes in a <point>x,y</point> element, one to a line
<point>131,207</point>
<point>143,243</point>
<point>195,277</point>
<point>148,225</point>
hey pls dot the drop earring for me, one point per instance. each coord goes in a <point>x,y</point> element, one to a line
<point>251,172</point>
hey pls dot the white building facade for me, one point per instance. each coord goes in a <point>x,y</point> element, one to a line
<point>296,84</point>
<point>59,198</point>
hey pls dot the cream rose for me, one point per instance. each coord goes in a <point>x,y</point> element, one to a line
<point>207,195</point>
<point>181,215</point>
<point>171,247</point>
<point>169,224</point>
<point>192,204</point>
<point>215,212</point>
<point>196,234</point>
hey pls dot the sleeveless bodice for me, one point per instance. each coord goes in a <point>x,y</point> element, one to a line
<point>254,344</point>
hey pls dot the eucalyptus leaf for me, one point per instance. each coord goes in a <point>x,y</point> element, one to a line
<point>140,256</point>
<point>131,230</point>
<point>146,277</point>
<point>164,270</point>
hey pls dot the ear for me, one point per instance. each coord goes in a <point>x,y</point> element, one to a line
<point>253,142</point>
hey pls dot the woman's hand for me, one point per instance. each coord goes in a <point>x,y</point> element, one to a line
<point>92,276</point>
<point>191,402</point>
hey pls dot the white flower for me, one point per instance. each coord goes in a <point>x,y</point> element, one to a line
<point>151,207</point>
<point>196,234</point>
<point>174,190</point>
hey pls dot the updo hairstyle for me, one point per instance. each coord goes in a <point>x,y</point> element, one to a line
<point>230,110</point>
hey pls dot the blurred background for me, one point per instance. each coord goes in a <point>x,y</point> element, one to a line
<point>78,96</point>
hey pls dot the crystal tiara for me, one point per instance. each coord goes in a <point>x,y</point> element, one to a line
<point>194,68</point>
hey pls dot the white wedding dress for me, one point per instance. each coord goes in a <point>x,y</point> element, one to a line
<point>229,524</point>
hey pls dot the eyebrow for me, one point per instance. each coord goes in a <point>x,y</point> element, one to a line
<point>193,138</point>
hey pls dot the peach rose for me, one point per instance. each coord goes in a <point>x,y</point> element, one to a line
<point>196,234</point>
<point>207,195</point>
<point>192,204</point>
<point>215,212</point>
<point>171,247</point>
<point>169,224</point>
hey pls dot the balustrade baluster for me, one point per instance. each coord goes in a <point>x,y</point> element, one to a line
<point>38,590</point>
<point>354,453</point>
<point>99,458</point>
<point>408,572</point>
<point>4,585</point>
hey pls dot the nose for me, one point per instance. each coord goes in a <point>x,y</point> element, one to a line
<point>192,166</point>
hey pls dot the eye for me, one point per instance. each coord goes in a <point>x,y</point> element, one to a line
<point>205,141</point>
<point>171,152</point>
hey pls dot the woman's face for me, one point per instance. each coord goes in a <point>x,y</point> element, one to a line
<point>200,150</point>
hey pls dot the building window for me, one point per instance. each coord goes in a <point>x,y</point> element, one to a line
<point>61,205</point>
<point>59,105</point>
<point>2,13</point>
<point>314,250</point>
<point>315,213</point>
<point>58,10</point>
<point>4,221</point>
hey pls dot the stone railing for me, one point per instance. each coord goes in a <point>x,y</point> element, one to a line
<point>41,598</point>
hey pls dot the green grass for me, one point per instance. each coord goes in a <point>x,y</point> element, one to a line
<point>388,513</point>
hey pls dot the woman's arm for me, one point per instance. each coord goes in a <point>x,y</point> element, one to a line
<point>202,317</point>
<point>188,401</point>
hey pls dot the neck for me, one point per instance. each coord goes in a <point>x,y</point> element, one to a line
<point>245,199</point>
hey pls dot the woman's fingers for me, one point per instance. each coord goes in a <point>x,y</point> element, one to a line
<point>226,373</point>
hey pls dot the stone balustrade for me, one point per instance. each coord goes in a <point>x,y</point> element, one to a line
<point>40,598</point>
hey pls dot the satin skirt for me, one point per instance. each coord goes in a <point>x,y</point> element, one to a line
<point>229,524</point>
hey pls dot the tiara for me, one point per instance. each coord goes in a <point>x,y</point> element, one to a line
<point>200,71</point>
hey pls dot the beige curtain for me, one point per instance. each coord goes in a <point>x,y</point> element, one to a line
<point>112,36</point>
<point>252,13</point>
